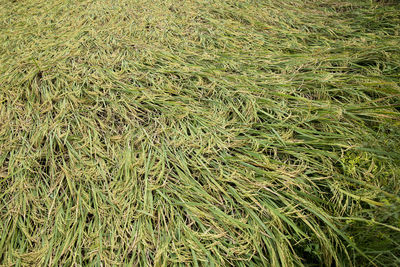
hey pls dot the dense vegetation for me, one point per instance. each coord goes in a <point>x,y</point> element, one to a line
<point>199,132</point>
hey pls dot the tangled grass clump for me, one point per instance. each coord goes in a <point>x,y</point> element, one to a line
<point>199,133</point>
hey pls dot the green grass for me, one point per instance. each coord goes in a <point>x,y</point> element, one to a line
<point>199,133</point>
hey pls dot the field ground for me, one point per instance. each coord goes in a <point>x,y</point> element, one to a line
<point>199,133</point>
